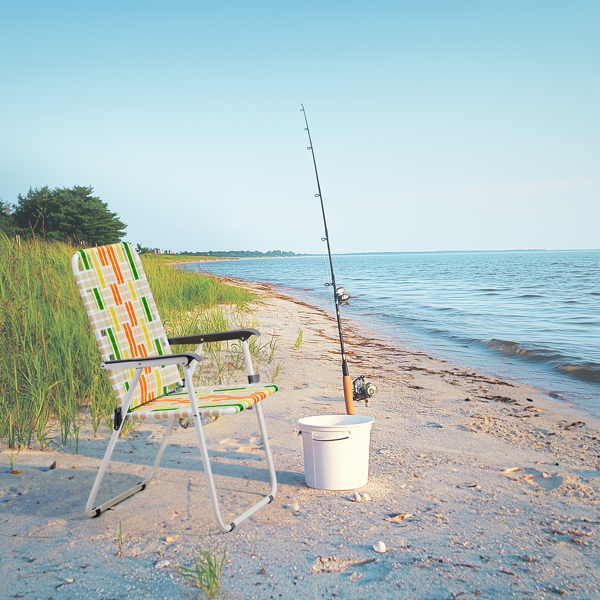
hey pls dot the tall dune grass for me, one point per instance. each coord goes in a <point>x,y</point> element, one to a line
<point>49,359</point>
<point>177,291</point>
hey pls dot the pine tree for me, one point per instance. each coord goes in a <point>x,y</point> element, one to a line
<point>68,213</point>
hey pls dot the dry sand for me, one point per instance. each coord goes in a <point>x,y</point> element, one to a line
<point>441,438</point>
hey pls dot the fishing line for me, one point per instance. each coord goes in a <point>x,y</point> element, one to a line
<point>316,214</point>
<point>337,294</point>
<point>318,221</point>
<point>359,389</point>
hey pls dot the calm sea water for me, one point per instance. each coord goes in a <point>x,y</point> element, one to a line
<point>534,316</point>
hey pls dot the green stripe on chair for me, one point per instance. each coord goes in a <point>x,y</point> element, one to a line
<point>114,344</point>
<point>86,264</point>
<point>146,308</point>
<point>98,297</point>
<point>134,270</point>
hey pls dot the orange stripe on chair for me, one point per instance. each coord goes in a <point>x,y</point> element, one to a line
<point>143,389</point>
<point>102,254</point>
<point>130,338</point>
<point>257,397</point>
<point>116,295</point>
<point>131,313</point>
<point>115,264</point>
<point>143,353</point>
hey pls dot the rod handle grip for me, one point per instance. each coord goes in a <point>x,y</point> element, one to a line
<point>348,395</point>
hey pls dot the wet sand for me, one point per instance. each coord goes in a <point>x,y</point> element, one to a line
<point>495,484</point>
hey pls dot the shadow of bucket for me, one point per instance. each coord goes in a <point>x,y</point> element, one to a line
<point>336,451</point>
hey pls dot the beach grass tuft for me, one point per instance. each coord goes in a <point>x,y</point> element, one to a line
<point>299,338</point>
<point>120,539</point>
<point>207,570</point>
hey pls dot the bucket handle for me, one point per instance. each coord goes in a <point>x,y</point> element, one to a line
<point>316,439</point>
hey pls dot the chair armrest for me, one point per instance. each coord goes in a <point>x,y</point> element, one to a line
<point>151,361</point>
<point>217,336</point>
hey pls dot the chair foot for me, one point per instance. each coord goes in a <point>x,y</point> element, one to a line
<point>96,511</point>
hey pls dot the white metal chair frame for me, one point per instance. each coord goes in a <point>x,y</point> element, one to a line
<point>189,362</point>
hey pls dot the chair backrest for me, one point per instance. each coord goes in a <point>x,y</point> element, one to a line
<point>123,315</point>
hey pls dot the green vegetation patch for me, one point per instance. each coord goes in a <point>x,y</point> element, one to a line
<point>50,359</point>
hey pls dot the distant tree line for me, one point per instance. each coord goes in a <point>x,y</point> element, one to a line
<point>240,253</point>
<point>60,214</point>
<point>76,214</point>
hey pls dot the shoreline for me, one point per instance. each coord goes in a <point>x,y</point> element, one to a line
<point>498,484</point>
<point>552,396</point>
<point>356,327</point>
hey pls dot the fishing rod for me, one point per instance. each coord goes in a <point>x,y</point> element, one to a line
<point>338,293</point>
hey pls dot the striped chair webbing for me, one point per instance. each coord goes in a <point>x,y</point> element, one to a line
<point>124,318</point>
<point>212,401</point>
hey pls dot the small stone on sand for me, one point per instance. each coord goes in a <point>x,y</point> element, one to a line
<point>399,517</point>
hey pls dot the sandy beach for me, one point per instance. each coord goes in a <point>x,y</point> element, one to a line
<point>496,485</point>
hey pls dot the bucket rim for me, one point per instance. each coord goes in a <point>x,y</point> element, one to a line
<point>345,422</point>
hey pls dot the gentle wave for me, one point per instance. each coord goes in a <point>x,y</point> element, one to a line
<point>585,372</point>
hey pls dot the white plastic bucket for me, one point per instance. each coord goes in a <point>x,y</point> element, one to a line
<point>336,451</point>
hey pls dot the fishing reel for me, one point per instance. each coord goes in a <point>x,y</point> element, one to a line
<point>341,295</point>
<point>363,390</point>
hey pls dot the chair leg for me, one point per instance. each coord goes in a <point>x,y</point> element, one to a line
<point>210,480</point>
<point>265,437</point>
<point>92,511</point>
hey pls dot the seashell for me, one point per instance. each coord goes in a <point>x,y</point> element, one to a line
<point>508,470</point>
<point>366,497</point>
<point>296,507</point>
<point>356,497</point>
<point>546,475</point>
<point>380,547</point>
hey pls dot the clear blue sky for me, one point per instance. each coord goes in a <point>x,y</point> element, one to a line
<point>437,125</point>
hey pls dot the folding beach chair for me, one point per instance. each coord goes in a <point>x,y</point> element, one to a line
<point>143,370</point>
